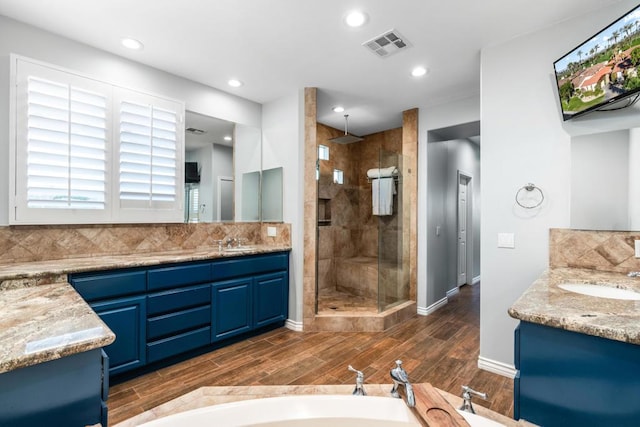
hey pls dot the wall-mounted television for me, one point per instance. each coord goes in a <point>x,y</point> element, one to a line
<point>603,70</point>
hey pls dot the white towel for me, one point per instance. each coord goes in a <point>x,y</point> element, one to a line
<point>382,191</point>
<point>382,172</point>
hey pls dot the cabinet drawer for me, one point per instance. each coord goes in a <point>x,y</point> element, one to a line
<point>177,322</point>
<point>106,285</point>
<point>249,265</point>
<point>178,299</point>
<point>168,347</point>
<point>179,275</point>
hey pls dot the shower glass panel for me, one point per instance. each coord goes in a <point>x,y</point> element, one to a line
<point>393,234</point>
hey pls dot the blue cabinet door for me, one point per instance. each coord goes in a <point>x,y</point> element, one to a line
<point>126,317</point>
<point>271,300</point>
<point>231,304</point>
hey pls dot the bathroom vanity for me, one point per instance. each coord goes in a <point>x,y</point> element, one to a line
<point>577,356</point>
<point>71,324</point>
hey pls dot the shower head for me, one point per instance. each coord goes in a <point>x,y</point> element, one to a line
<point>346,138</point>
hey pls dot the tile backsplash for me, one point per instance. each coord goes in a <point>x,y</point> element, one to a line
<point>42,243</point>
<point>596,250</point>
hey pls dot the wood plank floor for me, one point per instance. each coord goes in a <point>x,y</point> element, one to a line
<point>441,349</point>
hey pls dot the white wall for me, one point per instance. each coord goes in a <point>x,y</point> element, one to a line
<point>524,140</point>
<point>283,145</point>
<point>32,42</point>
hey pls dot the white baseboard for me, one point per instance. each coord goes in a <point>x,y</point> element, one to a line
<point>425,311</point>
<point>475,280</point>
<point>500,368</point>
<point>293,325</point>
<point>452,292</point>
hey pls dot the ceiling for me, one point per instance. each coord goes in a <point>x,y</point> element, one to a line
<point>279,46</point>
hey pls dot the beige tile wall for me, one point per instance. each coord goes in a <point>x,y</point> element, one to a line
<point>41,243</point>
<point>596,250</point>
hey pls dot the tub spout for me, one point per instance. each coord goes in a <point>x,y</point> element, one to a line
<point>401,378</point>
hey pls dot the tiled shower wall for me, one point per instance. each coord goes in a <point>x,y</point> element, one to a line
<point>596,250</point>
<point>41,243</point>
<point>353,231</point>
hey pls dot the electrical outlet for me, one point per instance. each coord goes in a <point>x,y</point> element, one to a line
<point>271,232</point>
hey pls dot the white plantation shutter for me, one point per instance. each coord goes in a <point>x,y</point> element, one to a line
<point>66,146</point>
<point>148,144</point>
<point>84,151</point>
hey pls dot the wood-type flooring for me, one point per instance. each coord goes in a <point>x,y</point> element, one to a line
<point>441,349</point>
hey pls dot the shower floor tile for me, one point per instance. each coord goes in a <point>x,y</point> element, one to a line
<point>332,301</point>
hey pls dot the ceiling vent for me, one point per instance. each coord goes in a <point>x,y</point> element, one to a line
<point>195,131</point>
<point>386,44</point>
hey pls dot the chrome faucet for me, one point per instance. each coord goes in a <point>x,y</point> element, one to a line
<point>633,274</point>
<point>359,390</point>
<point>230,241</point>
<point>467,392</point>
<point>400,378</point>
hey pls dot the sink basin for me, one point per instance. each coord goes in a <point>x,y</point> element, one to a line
<point>240,249</point>
<point>600,291</point>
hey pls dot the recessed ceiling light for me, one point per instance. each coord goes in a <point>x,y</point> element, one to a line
<point>355,19</point>
<point>338,109</point>
<point>234,83</point>
<point>419,71</point>
<point>133,44</point>
<point>227,138</point>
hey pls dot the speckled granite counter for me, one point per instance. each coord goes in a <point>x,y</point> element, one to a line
<point>19,275</point>
<point>43,323</point>
<point>207,396</point>
<point>546,304</point>
<point>43,318</point>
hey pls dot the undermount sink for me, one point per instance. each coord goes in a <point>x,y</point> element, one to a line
<point>600,291</point>
<point>240,249</point>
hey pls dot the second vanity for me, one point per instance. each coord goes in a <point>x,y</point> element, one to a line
<point>577,356</point>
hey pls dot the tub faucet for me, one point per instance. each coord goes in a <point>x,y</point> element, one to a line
<point>400,378</point>
<point>359,390</point>
<point>467,392</point>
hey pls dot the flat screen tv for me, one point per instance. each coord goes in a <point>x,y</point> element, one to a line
<point>603,70</point>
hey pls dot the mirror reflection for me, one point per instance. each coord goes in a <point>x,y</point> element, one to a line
<point>605,181</point>
<point>209,175</point>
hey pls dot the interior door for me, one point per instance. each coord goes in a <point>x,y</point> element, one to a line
<point>463,184</point>
<point>225,198</point>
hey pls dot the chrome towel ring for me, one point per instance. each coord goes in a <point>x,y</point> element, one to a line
<point>531,198</point>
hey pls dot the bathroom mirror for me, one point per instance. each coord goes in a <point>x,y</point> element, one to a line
<point>605,180</point>
<point>271,201</point>
<point>225,152</point>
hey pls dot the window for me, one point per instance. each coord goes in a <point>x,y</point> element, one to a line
<point>323,152</point>
<point>85,151</point>
<point>338,176</point>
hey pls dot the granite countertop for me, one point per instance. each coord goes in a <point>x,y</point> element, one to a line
<point>42,323</point>
<point>207,396</point>
<point>546,304</point>
<point>23,274</point>
<point>43,318</point>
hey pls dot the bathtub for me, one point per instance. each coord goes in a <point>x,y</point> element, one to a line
<point>306,411</point>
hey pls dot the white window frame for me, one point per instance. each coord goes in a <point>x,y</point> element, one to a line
<point>20,213</point>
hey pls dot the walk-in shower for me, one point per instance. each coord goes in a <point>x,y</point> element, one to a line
<point>363,228</point>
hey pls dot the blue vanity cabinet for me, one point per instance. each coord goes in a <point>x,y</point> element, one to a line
<point>271,296</point>
<point>61,392</point>
<point>569,379</point>
<point>117,296</point>
<point>248,293</point>
<point>126,318</point>
<point>232,308</point>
